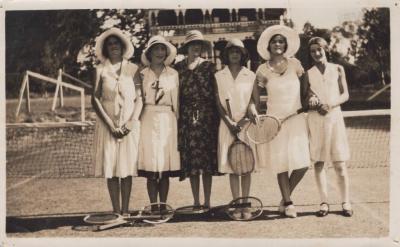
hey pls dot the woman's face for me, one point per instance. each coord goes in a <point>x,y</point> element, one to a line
<point>158,53</point>
<point>114,47</point>
<point>194,49</point>
<point>317,53</point>
<point>234,55</point>
<point>277,45</point>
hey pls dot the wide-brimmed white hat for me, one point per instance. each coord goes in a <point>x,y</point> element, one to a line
<point>292,38</point>
<point>128,47</point>
<point>195,35</point>
<point>171,50</point>
<point>235,42</point>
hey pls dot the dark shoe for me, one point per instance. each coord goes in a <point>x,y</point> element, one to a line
<point>323,211</point>
<point>346,211</point>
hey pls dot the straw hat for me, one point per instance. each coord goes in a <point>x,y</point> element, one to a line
<point>234,42</point>
<point>194,35</point>
<point>128,51</point>
<point>171,50</point>
<point>292,38</point>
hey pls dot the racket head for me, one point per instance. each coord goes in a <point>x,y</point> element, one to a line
<point>244,208</point>
<point>241,158</point>
<point>102,219</point>
<point>156,213</point>
<point>192,209</point>
<point>266,129</point>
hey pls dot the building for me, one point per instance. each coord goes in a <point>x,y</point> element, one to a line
<point>217,25</point>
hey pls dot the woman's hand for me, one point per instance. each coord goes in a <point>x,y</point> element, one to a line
<point>116,132</point>
<point>254,118</point>
<point>313,102</point>
<point>127,128</point>
<point>324,109</point>
<point>234,128</point>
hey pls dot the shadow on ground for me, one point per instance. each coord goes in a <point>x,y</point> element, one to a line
<point>26,224</point>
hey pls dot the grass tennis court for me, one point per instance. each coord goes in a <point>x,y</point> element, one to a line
<point>51,187</point>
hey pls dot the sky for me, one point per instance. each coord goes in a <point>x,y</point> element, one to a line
<point>323,17</point>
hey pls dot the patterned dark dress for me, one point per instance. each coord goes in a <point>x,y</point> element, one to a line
<point>198,119</point>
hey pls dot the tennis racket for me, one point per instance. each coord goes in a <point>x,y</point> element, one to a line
<point>154,213</point>
<point>267,127</point>
<point>241,209</point>
<point>240,155</point>
<point>191,209</point>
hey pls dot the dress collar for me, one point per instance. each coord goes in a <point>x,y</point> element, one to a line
<point>243,71</point>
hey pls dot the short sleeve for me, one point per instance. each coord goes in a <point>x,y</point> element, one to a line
<point>133,68</point>
<point>261,78</point>
<point>298,67</point>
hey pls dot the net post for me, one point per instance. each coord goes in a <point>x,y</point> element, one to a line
<point>28,100</point>
<point>53,107</point>
<point>61,88</point>
<point>83,105</point>
<point>21,94</point>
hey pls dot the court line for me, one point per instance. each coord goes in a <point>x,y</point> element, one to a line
<point>361,205</point>
<point>15,186</point>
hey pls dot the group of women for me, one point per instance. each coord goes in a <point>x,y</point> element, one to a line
<point>172,120</point>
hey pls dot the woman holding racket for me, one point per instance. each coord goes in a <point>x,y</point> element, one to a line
<point>115,101</point>
<point>328,140</point>
<point>288,152</point>
<point>158,148</point>
<point>234,86</point>
<point>198,117</point>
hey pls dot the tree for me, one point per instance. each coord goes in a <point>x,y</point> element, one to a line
<point>131,21</point>
<point>374,44</point>
<point>44,41</point>
<point>310,31</point>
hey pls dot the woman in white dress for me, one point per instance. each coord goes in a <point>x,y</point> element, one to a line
<point>234,83</point>
<point>288,153</point>
<point>328,139</point>
<point>158,148</point>
<point>117,127</point>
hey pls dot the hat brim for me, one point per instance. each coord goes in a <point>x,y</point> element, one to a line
<point>168,60</point>
<point>128,52</point>
<point>243,50</point>
<point>206,45</point>
<point>292,38</point>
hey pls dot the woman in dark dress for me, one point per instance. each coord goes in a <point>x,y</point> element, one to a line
<point>198,117</point>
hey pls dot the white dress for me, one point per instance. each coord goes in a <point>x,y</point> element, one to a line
<point>328,139</point>
<point>158,147</point>
<point>116,158</point>
<point>238,91</point>
<point>289,150</point>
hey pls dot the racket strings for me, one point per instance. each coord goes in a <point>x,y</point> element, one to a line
<point>247,208</point>
<point>267,128</point>
<point>101,218</point>
<point>240,158</point>
<point>157,213</point>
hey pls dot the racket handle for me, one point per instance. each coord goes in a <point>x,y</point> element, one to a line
<point>107,226</point>
<point>228,107</point>
<point>301,110</point>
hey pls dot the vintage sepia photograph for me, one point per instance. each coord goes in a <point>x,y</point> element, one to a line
<point>182,122</point>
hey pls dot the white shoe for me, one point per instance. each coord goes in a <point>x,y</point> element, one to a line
<point>237,214</point>
<point>290,211</point>
<point>246,214</point>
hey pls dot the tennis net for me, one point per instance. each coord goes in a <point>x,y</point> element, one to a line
<point>66,149</point>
